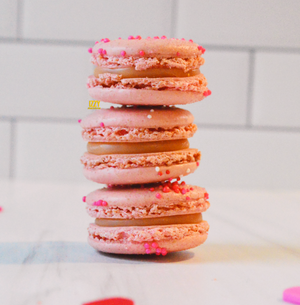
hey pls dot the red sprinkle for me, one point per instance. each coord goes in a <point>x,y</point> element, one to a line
<point>191,189</point>
<point>166,189</point>
<point>206,196</point>
<point>142,53</point>
<point>163,251</point>
<point>182,183</point>
<point>79,121</point>
<point>123,53</point>
<point>138,37</point>
<point>160,173</point>
<point>130,37</point>
<point>112,107</point>
<point>158,195</point>
<point>152,189</point>
<point>84,198</point>
<point>156,37</point>
<point>167,172</point>
<point>187,198</point>
<point>158,251</point>
<point>176,190</point>
<point>201,49</point>
<point>191,40</point>
<point>163,37</point>
<point>155,245</point>
<point>177,54</point>
<point>197,163</point>
<point>102,124</point>
<point>170,179</point>
<point>90,50</point>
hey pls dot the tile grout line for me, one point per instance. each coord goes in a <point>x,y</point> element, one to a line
<point>12,148</point>
<point>19,19</point>
<point>174,18</point>
<point>249,104</point>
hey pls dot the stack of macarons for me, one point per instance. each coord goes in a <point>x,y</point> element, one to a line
<point>140,150</point>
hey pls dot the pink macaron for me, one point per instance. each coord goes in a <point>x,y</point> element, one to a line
<point>147,72</point>
<point>154,218</point>
<point>130,145</point>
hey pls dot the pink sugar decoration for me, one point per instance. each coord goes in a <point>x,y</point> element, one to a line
<point>112,107</point>
<point>104,52</point>
<point>182,39</point>
<point>160,173</point>
<point>119,38</point>
<point>167,172</point>
<point>187,198</point>
<point>154,245</point>
<point>147,246</point>
<point>90,50</point>
<point>163,37</point>
<point>105,40</point>
<point>97,203</point>
<point>152,189</point>
<point>79,121</point>
<point>163,252</point>
<point>100,51</point>
<point>166,189</point>
<point>206,195</point>
<point>182,183</point>
<point>158,251</point>
<point>197,163</point>
<point>109,185</point>
<point>84,198</point>
<point>102,124</point>
<point>158,195</point>
<point>104,203</point>
<point>102,39</point>
<point>183,191</point>
<point>191,40</point>
<point>191,189</point>
<point>148,37</point>
<point>177,54</point>
<point>292,295</point>
<point>138,37</point>
<point>142,53</point>
<point>170,179</point>
<point>123,53</point>
<point>200,48</point>
<point>148,251</point>
<point>1,209</point>
<point>130,37</point>
<point>156,37</point>
<point>96,42</point>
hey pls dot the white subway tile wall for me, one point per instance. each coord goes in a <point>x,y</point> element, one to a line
<point>8,18</point>
<point>249,128</point>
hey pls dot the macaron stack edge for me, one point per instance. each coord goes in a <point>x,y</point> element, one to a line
<point>140,149</point>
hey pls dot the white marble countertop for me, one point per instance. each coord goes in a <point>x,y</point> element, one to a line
<point>252,253</point>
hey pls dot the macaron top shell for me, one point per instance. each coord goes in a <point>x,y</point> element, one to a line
<point>139,117</point>
<point>159,48</point>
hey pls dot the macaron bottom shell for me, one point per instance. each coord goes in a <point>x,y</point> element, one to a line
<point>181,239</point>
<point>138,175</point>
<point>144,97</point>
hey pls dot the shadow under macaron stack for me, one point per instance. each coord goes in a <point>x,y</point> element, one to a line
<point>140,150</point>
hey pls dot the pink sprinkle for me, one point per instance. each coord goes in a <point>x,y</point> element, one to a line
<point>142,53</point>
<point>164,252</point>
<point>156,37</point>
<point>105,40</point>
<point>102,124</point>
<point>158,195</point>
<point>100,51</point>
<point>177,54</point>
<point>148,37</point>
<point>170,179</point>
<point>160,173</point>
<point>130,37</point>
<point>209,92</point>
<point>109,185</point>
<point>158,251</point>
<point>79,121</point>
<point>187,198</point>
<point>197,163</point>
<point>147,246</point>
<point>84,198</point>
<point>191,189</point>
<point>206,196</point>
<point>104,52</point>
<point>104,203</point>
<point>138,37</point>
<point>120,38</point>
<point>1,209</point>
<point>123,53</point>
<point>148,251</point>
<point>96,42</point>
<point>152,189</point>
<point>200,48</point>
<point>97,203</point>
<point>154,245</point>
<point>163,37</point>
<point>191,40</point>
<point>102,39</point>
<point>183,191</point>
<point>112,107</point>
<point>182,39</point>
<point>292,295</point>
<point>90,50</point>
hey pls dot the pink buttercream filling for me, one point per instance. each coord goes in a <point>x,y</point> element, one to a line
<point>144,63</point>
<point>184,207</point>
<point>146,234</point>
<point>196,83</point>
